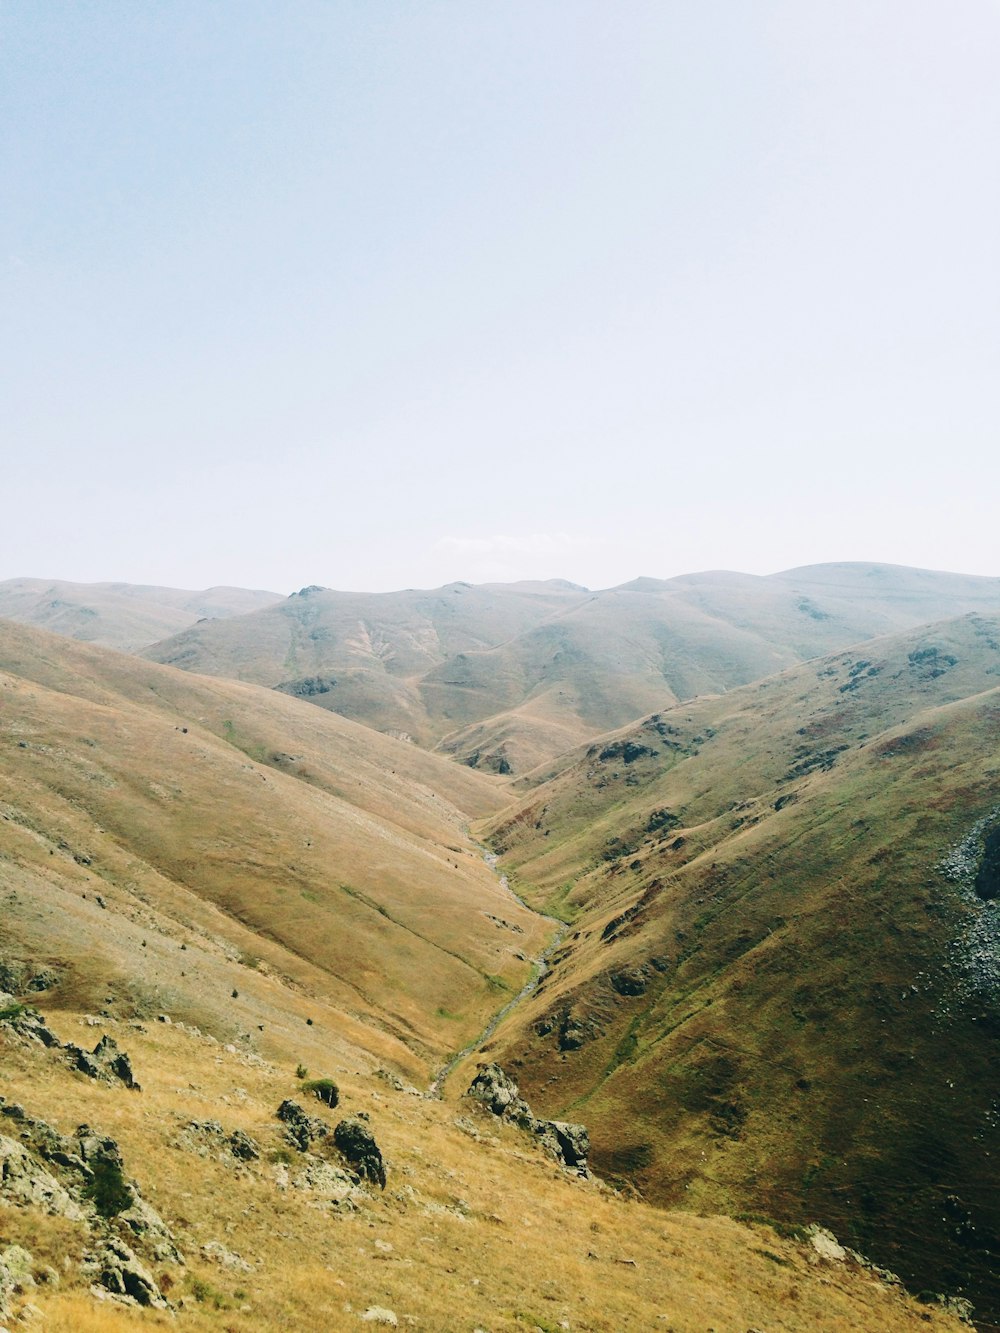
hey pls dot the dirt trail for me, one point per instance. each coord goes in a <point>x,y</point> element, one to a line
<point>436,1087</point>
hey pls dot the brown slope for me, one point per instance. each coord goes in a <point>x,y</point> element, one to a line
<point>773,981</point>
<point>125,616</point>
<point>503,677</point>
<point>215,813</point>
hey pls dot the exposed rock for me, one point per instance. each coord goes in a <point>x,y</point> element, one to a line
<point>497,1091</point>
<point>378,1314</point>
<point>826,1244</point>
<point>301,1129</point>
<point>29,1025</point>
<point>357,1143</point>
<point>146,1226</point>
<point>568,1143</point>
<point>105,1062</point>
<point>118,1270</point>
<point>322,1177</point>
<point>217,1253</point>
<point>19,1265</point>
<point>629,981</point>
<point>242,1146</point>
<point>25,1181</point>
<point>576,1032</point>
<point>394,1081</point>
<point>15,1276</point>
<point>573,1140</point>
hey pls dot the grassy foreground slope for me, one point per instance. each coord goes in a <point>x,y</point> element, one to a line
<point>503,677</point>
<point>475,1227</point>
<point>223,825</point>
<point>126,616</point>
<point>780,993</point>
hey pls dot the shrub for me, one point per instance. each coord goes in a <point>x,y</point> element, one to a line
<point>324,1089</point>
<point>108,1190</point>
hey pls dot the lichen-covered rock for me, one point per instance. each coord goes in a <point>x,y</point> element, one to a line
<point>568,1143</point>
<point>217,1253</point>
<point>117,1269</point>
<point>498,1091</point>
<point>105,1062</point>
<point>378,1314</point>
<point>23,1180</point>
<point>357,1143</point>
<point>300,1129</point>
<point>242,1146</point>
<point>28,1024</point>
<point>145,1225</point>
<point>15,1277</point>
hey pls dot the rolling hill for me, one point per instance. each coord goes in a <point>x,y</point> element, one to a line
<point>126,616</point>
<point>778,991</point>
<point>220,822</point>
<point>238,890</point>
<point>505,677</point>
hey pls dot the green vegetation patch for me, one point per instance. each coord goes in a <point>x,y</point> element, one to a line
<point>109,1190</point>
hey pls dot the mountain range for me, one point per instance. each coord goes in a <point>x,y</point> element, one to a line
<point>709,865</point>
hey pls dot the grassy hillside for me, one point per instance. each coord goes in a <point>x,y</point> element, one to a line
<point>475,1227</point>
<point>504,678</point>
<point>234,834</point>
<point>120,615</point>
<point>779,992</point>
<point>244,892</point>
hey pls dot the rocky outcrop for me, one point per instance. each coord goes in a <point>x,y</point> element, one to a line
<point>115,1268</point>
<point>105,1062</point>
<point>16,1277</point>
<point>300,1129</point>
<point>20,976</point>
<point>629,981</point>
<point>242,1146</point>
<point>80,1177</point>
<point>568,1143</point>
<point>28,1025</point>
<point>207,1137</point>
<point>23,1180</point>
<point>357,1143</point>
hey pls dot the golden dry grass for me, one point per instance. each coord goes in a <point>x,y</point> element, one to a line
<point>221,822</point>
<point>481,1233</point>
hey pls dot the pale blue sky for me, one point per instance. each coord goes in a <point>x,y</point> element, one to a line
<point>386,294</point>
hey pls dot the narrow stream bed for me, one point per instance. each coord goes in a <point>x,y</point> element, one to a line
<point>436,1087</point>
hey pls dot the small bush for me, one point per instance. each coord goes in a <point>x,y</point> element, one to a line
<point>301,1071</point>
<point>324,1089</point>
<point>11,1011</point>
<point>109,1190</point>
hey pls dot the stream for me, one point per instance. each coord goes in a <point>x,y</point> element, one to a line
<point>436,1086</point>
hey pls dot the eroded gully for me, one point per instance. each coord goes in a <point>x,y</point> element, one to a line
<point>436,1087</point>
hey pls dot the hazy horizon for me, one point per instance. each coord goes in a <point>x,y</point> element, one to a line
<point>386,296</point>
<point>551,578</point>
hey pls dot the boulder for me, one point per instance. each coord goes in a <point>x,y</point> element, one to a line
<point>378,1314</point>
<point>568,1143</point>
<point>498,1092</point>
<point>23,1180</point>
<point>301,1129</point>
<point>105,1062</point>
<point>15,1276</point>
<point>242,1146</point>
<point>118,1270</point>
<point>29,1025</point>
<point>357,1143</point>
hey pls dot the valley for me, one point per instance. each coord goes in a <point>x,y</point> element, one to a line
<point>730,905</point>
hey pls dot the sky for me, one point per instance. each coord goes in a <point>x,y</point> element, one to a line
<point>388,293</point>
